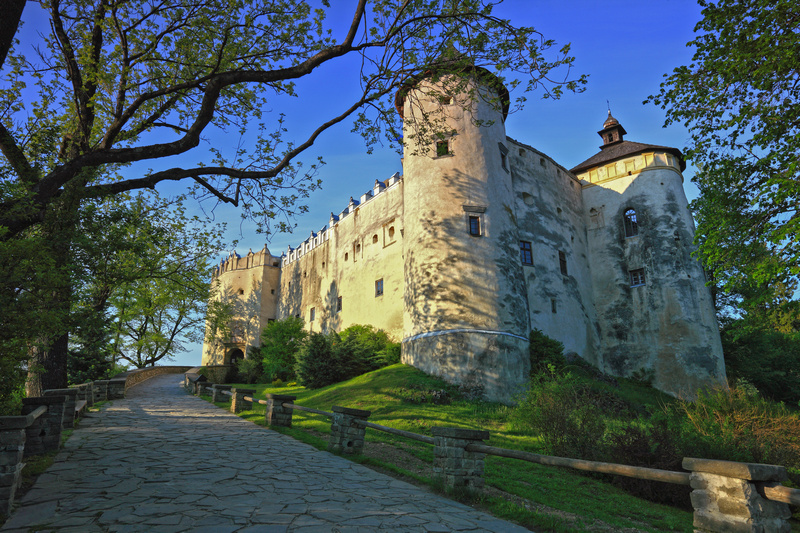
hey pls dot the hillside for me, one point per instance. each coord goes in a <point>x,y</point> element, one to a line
<point>543,498</point>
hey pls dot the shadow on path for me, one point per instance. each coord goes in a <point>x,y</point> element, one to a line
<point>162,460</point>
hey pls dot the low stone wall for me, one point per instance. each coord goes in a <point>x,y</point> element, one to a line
<point>132,377</point>
<point>218,373</point>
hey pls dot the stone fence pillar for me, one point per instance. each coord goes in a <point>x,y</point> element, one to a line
<point>203,388</point>
<point>68,422</point>
<point>238,403</point>
<point>347,436</point>
<point>727,496</point>
<point>84,393</point>
<point>456,466</point>
<point>216,393</point>
<point>100,390</point>
<point>116,389</point>
<point>277,414</point>
<point>12,446</point>
<point>44,435</point>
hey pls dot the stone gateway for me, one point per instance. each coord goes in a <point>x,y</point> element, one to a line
<point>484,238</point>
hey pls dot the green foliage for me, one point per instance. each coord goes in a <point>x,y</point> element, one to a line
<point>326,359</point>
<point>281,342</point>
<point>401,396</point>
<point>318,363</point>
<point>552,408</point>
<point>768,359</point>
<point>740,100</point>
<point>738,425</point>
<point>545,353</point>
<point>250,370</point>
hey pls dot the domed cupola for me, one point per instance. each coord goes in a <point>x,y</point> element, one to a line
<point>612,132</point>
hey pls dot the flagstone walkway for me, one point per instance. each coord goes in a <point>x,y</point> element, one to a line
<point>162,460</point>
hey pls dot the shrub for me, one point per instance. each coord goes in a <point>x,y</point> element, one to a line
<point>327,359</point>
<point>316,362</point>
<point>553,410</point>
<point>770,360</point>
<point>545,353</point>
<point>281,341</point>
<point>250,370</point>
<point>739,425</point>
<point>651,445</point>
<point>390,355</point>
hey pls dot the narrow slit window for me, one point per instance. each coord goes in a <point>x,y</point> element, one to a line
<point>312,314</point>
<point>474,225</point>
<point>339,304</point>
<point>631,224</point>
<point>526,252</point>
<point>562,261</point>
<point>379,287</point>
<point>637,277</point>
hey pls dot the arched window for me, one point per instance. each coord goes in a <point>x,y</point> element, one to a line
<point>631,226</point>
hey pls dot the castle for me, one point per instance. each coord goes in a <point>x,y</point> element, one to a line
<point>483,239</point>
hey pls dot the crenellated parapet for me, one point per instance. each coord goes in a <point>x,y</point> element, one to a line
<point>253,259</point>
<point>317,238</point>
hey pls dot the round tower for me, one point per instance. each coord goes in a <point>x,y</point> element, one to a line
<point>655,314</point>
<point>465,308</point>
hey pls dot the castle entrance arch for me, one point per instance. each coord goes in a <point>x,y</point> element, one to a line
<point>234,356</point>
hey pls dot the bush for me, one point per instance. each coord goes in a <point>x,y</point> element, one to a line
<point>651,445</point>
<point>553,410</point>
<point>770,360</point>
<point>250,370</point>
<point>739,425</point>
<point>281,342</point>
<point>546,353</point>
<point>327,359</point>
<point>317,363</point>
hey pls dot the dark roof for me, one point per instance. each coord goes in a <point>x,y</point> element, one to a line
<point>615,151</point>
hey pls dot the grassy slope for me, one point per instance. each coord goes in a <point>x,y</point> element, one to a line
<point>579,501</point>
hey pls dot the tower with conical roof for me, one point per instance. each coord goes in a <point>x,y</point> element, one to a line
<point>654,312</point>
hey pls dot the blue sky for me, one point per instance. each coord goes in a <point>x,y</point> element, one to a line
<point>624,46</point>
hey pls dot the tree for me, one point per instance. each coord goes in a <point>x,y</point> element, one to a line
<point>281,341</point>
<point>122,83</point>
<point>146,277</point>
<point>740,99</point>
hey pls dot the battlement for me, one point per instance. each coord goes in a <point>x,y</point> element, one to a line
<point>317,238</point>
<point>253,259</point>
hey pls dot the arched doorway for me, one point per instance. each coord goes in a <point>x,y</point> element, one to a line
<point>234,356</point>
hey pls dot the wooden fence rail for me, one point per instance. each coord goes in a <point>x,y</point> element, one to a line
<point>727,495</point>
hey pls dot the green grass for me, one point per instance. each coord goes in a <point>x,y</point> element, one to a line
<point>571,501</point>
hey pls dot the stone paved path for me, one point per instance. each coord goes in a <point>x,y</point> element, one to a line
<point>162,460</point>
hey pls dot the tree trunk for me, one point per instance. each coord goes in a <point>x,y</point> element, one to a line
<point>12,13</point>
<point>48,368</point>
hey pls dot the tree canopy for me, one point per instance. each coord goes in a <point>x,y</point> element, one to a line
<point>130,82</point>
<point>740,99</point>
<point>116,87</point>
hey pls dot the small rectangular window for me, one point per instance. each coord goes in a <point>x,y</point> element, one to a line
<point>442,148</point>
<point>474,225</point>
<point>562,261</point>
<point>526,252</point>
<point>379,287</point>
<point>637,277</point>
<point>312,314</point>
<point>553,306</point>
<point>339,304</point>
